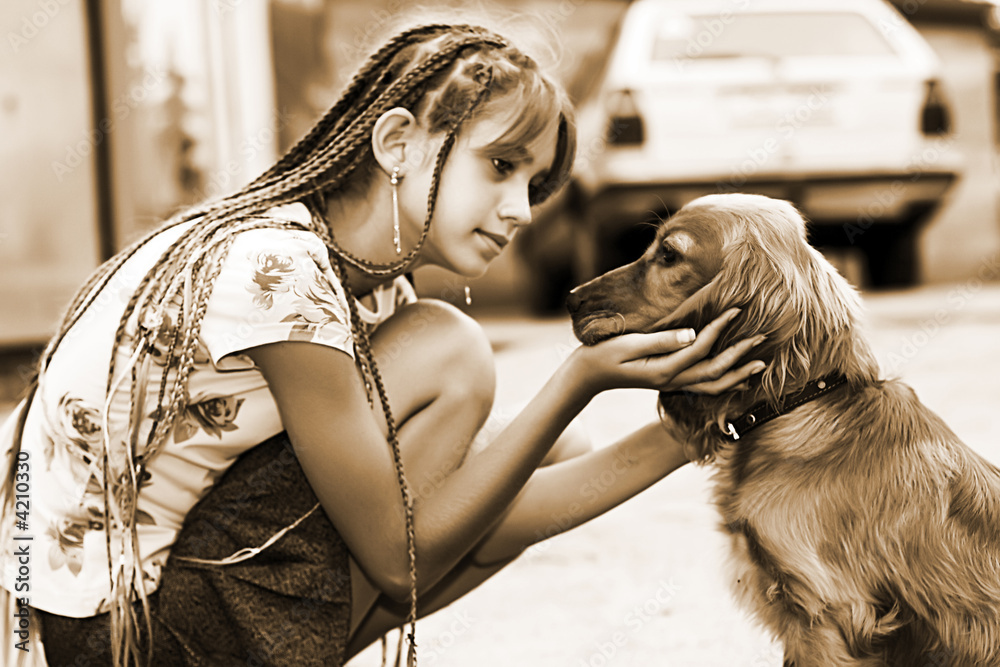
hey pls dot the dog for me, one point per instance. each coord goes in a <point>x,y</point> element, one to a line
<point>863,531</point>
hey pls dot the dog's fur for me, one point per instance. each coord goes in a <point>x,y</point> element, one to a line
<point>864,532</point>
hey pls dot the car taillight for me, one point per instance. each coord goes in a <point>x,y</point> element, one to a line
<point>935,118</point>
<point>625,125</point>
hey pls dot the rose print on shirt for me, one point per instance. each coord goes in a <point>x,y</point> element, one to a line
<point>75,429</point>
<point>212,413</point>
<point>161,346</point>
<point>67,547</point>
<point>316,306</point>
<point>68,533</point>
<point>74,432</point>
<point>273,274</point>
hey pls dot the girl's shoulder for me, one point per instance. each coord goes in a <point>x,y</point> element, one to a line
<point>286,227</point>
<point>276,283</point>
<point>282,248</point>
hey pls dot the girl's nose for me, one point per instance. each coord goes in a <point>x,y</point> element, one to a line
<point>517,211</point>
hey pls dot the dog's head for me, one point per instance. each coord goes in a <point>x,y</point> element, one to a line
<point>724,251</point>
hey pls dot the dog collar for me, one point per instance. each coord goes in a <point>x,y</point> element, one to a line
<point>763,412</point>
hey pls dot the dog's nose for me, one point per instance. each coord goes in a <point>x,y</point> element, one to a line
<point>573,302</point>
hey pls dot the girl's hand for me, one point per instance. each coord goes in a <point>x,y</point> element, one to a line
<point>667,361</point>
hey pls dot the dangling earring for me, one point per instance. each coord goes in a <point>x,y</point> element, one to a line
<point>394,182</point>
<point>468,296</point>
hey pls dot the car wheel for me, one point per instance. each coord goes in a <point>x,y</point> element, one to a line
<point>892,257</point>
<point>893,250</point>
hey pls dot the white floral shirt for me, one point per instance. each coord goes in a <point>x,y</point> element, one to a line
<point>275,285</point>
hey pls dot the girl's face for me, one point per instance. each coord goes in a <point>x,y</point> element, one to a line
<point>482,196</point>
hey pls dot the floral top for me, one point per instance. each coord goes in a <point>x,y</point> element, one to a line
<point>275,285</point>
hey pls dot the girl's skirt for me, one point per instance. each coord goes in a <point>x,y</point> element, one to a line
<point>286,604</point>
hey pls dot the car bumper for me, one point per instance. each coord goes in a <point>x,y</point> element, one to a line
<point>825,199</point>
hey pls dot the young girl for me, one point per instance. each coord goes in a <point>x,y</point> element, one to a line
<point>280,315</point>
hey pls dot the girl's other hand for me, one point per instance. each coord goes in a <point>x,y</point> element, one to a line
<point>667,361</point>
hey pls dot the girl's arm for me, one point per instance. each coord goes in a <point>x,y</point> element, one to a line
<point>347,461</point>
<point>344,455</point>
<point>567,494</point>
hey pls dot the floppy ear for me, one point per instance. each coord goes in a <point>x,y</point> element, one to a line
<point>697,310</point>
<point>808,311</point>
<point>788,291</point>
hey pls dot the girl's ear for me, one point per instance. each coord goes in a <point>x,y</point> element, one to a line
<point>398,140</point>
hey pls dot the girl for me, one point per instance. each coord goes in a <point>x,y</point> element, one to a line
<point>280,314</point>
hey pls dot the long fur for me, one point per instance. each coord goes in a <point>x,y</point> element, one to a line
<point>864,532</point>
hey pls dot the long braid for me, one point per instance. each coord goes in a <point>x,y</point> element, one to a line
<point>88,293</point>
<point>367,366</point>
<point>376,269</point>
<point>182,279</point>
<point>315,172</point>
<point>352,96</point>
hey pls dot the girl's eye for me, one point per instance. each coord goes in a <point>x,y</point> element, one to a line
<point>503,167</point>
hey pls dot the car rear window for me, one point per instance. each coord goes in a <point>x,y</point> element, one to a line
<point>770,35</point>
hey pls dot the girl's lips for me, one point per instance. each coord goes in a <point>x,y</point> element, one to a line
<point>497,241</point>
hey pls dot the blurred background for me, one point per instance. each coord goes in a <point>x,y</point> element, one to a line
<point>881,121</point>
<point>116,114</point>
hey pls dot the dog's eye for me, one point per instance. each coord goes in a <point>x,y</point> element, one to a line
<point>669,256</point>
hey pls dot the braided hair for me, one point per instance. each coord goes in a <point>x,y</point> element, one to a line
<point>445,75</point>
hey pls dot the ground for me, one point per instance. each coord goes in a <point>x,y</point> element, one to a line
<point>645,584</point>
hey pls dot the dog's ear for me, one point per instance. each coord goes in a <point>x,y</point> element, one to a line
<point>697,310</point>
<point>788,291</point>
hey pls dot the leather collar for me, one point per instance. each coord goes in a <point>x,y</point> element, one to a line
<point>763,412</point>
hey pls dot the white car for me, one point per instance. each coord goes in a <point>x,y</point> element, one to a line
<point>833,104</point>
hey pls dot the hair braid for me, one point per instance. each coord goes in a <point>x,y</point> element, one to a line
<point>352,96</point>
<point>367,365</point>
<point>377,269</point>
<point>412,70</point>
<point>357,132</point>
<point>86,295</point>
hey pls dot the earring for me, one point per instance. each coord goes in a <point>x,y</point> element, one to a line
<point>468,296</point>
<point>394,182</point>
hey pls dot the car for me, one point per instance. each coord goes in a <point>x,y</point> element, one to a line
<point>835,105</point>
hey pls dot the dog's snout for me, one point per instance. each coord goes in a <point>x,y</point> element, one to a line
<point>574,301</point>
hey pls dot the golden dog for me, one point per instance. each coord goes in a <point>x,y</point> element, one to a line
<point>864,531</point>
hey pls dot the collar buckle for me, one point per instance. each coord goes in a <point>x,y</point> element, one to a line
<point>730,431</point>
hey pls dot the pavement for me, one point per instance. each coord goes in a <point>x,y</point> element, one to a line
<point>645,584</point>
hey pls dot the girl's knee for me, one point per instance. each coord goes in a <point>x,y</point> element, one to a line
<point>438,343</point>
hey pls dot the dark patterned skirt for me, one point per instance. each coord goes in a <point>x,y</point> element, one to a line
<point>289,604</point>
